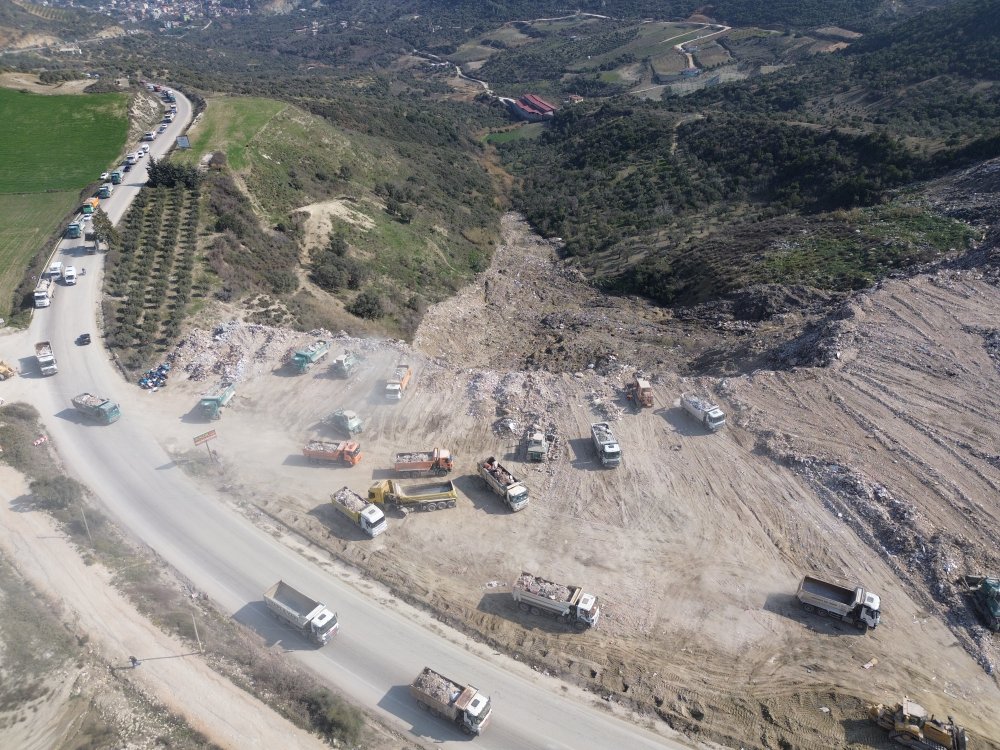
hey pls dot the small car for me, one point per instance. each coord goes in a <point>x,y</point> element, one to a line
<point>127,168</point>
<point>105,176</point>
<point>83,339</point>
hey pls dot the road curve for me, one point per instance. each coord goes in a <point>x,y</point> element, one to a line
<point>383,643</point>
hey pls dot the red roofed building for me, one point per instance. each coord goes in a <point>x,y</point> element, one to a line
<point>533,108</point>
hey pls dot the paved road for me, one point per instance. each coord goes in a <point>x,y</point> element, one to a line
<point>383,643</point>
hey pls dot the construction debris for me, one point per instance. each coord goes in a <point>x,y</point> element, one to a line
<point>541,587</point>
<point>438,687</point>
<point>349,500</point>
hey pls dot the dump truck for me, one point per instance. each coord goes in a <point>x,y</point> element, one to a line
<point>396,384</point>
<point>462,704</point>
<point>432,496</point>
<point>346,452</point>
<point>606,445</point>
<point>850,603</point>
<point>436,462</point>
<point>908,724</point>
<point>538,596</point>
<point>46,359</point>
<point>537,445</point>
<point>106,190</point>
<point>503,483</point>
<point>369,518</point>
<point>90,205</point>
<point>212,403</point>
<point>74,231</point>
<point>42,296</point>
<point>117,176</point>
<point>344,364</point>
<point>984,593</point>
<point>308,616</point>
<point>303,359</point>
<point>706,412</point>
<point>346,421</point>
<point>6,371</point>
<point>640,392</point>
<point>97,408</point>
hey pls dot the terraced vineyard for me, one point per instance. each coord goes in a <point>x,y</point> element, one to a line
<point>150,274</point>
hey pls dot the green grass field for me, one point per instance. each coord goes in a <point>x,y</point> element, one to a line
<point>58,142</point>
<point>230,124</point>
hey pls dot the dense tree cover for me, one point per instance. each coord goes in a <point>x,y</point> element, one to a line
<point>168,174</point>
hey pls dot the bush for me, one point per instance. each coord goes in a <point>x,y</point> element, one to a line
<point>333,718</point>
<point>56,493</point>
<point>368,305</point>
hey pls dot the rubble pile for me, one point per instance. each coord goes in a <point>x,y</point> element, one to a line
<point>436,686</point>
<point>604,404</point>
<point>498,472</point>
<point>540,587</point>
<point>349,499</point>
<point>155,378</point>
<point>413,458</point>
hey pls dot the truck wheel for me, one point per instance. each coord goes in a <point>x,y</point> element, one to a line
<point>467,730</point>
<point>423,706</point>
<point>862,626</point>
<point>536,611</point>
<point>808,608</point>
<point>452,503</point>
<point>523,607</point>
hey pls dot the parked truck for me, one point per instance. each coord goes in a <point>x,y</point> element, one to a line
<point>706,412</point>
<point>106,190</point>
<point>503,483</point>
<point>90,205</point>
<point>347,422</point>
<point>536,445</point>
<point>434,496</point>
<point>212,403</point>
<point>436,462</point>
<point>44,290</point>
<point>640,392</point>
<point>850,603</point>
<point>369,518</point>
<point>462,704</point>
<point>303,359</point>
<point>46,359</point>
<point>909,725</point>
<point>538,596</point>
<point>117,176</point>
<point>345,363</point>
<point>984,593</point>
<point>308,616</point>
<point>345,452</point>
<point>606,445</point>
<point>97,408</point>
<point>396,384</point>
<point>74,231</point>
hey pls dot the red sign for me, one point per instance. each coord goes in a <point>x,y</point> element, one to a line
<point>204,437</point>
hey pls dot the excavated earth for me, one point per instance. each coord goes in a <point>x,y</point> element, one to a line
<point>880,466</point>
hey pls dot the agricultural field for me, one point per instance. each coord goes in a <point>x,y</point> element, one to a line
<point>230,124</point>
<point>150,274</point>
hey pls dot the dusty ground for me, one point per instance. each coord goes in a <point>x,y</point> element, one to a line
<point>881,468</point>
<point>30,82</point>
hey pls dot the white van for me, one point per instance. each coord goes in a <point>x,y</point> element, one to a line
<point>55,270</point>
<point>69,275</point>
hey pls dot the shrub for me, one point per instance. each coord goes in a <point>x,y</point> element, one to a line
<point>368,305</point>
<point>56,493</point>
<point>334,718</point>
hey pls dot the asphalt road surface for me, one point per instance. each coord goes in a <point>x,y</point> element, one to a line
<point>383,643</point>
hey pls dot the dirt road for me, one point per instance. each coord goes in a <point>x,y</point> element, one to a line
<point>695,545</point>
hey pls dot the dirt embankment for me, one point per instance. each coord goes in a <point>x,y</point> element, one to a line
<point>878,468</point>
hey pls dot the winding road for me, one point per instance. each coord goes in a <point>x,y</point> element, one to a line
<point>383,642</point>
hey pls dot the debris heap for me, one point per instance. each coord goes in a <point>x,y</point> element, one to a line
<point>349,499</point>
<point>540,587</point>
<point>438,687</point>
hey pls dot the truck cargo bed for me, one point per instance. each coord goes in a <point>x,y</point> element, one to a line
<point>827,590</point>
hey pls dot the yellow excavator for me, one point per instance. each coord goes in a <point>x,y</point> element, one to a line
<point>909,725</point>
<point>6,371</point>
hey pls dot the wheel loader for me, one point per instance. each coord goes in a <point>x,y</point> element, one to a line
<point>6,371</point>
<point>909,725</point>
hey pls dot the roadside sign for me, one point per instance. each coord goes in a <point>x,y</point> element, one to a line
<point>204,437</point>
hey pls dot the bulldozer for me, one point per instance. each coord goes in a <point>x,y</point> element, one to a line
<point>6,371</point>
<point>984,593</point>
<point>909,725</point>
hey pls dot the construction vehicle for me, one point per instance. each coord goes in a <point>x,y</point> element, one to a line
<point>347,422</point>
<point>640,392</point>
<point>212,403</point>
<point>503,483</point>
<point>462,704</point>
<point>908,724</point>
<point>345,363</point>
<point>46,359</point>
<point>97,408</point>
<point>42,296</point>
<point>396,384</point>
<point>985,595</point>
<point>90,205</point>
<point>116,177</point>
<point>346,452</point>
<point>538,596</point>
<point>537,448</point>
<point>308,616</point>
<point>706,412</point>
<point>850,603</point>
<point>74,231</point>
<point>6,371</point>
<point>435,496</point>
<point>606,444</point>
<point>105,190</point>
<point>303,359</point>
<point>436,462</point>
<point>369,518</point>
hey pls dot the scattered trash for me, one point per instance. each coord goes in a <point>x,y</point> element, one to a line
<point>870,664</point>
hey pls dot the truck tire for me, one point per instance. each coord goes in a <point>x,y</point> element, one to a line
<point>452,503</point>
<point>536,611</point>
<point>808,607</point>
<point>467,730</point>
<point>524,607</point>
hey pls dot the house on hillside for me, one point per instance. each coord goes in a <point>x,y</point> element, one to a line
<point>532,108</point>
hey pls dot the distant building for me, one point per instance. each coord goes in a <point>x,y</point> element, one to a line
<point>532,108</point>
